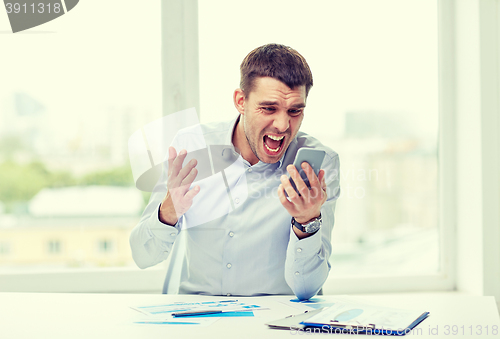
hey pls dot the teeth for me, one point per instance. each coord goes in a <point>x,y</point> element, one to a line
<point>275,138</point>
<point>271,149</point>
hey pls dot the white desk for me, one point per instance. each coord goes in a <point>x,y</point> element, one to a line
<point>94,316</point>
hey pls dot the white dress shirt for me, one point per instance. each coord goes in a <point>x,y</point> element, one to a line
<point>239,239</point>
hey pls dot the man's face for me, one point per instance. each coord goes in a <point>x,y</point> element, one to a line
<point>272,117</point>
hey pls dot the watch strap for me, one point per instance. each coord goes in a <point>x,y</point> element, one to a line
<point>304,227</point>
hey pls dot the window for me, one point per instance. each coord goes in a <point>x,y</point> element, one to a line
<point>334,40</point>
<point>374,101</point>
<point>67,113</point>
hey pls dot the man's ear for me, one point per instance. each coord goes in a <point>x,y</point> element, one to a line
<point>239,100</point>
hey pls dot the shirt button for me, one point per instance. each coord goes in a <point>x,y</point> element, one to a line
<point>231,234</point>
<point>237,200</point>
<point>228,265</point>
<point>172,234</point>
<point>229,294</point>
<point>299,250</point>
<point>297,273</point>
<point>250,170</point>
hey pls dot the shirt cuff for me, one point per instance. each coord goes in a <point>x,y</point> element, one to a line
<point>305,247</point>
<point>163,231</point>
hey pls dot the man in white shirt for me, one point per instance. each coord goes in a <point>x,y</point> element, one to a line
<point>264,243</point>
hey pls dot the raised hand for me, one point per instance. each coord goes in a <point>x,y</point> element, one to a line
<point>179,197</point>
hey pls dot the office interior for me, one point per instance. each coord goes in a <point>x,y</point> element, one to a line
<point>421,205</point>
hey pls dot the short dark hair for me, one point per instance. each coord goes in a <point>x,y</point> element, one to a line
<point>276,61</point>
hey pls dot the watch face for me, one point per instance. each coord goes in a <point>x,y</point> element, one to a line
<point>313,226</point>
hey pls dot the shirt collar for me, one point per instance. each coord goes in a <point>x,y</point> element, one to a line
<point>229,140</point>
<point>229,136</point>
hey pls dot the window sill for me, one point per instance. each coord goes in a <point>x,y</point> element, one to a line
<point>105,280</point>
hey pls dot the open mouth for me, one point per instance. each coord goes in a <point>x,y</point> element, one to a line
<point>273,143</point>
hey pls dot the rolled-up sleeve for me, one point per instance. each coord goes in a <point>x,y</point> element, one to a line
<point>151,241</point>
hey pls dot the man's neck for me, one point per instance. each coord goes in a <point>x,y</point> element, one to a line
<point>240,142</point>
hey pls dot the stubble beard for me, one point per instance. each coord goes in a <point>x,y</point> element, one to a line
<point>252,145</point>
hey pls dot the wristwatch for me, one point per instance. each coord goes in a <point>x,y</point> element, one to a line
<point>311,227</point>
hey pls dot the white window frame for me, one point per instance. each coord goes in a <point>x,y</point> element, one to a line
<point>458,94</point>
<point>445,279</point>
<point>477,125</point>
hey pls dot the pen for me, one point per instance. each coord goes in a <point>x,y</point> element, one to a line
<point>192,313</point>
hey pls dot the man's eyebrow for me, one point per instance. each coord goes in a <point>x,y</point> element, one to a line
<point>268,103</point>
<point>275,103</point>
<point>300,105</point>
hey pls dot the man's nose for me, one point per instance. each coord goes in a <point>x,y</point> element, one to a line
<point>282,121</point>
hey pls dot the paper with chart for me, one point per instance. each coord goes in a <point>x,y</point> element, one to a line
<point>316,302</point>
<point>223,305</point>
<point>163,320</point>
<point>363,315</point>
<point>162,313</point>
